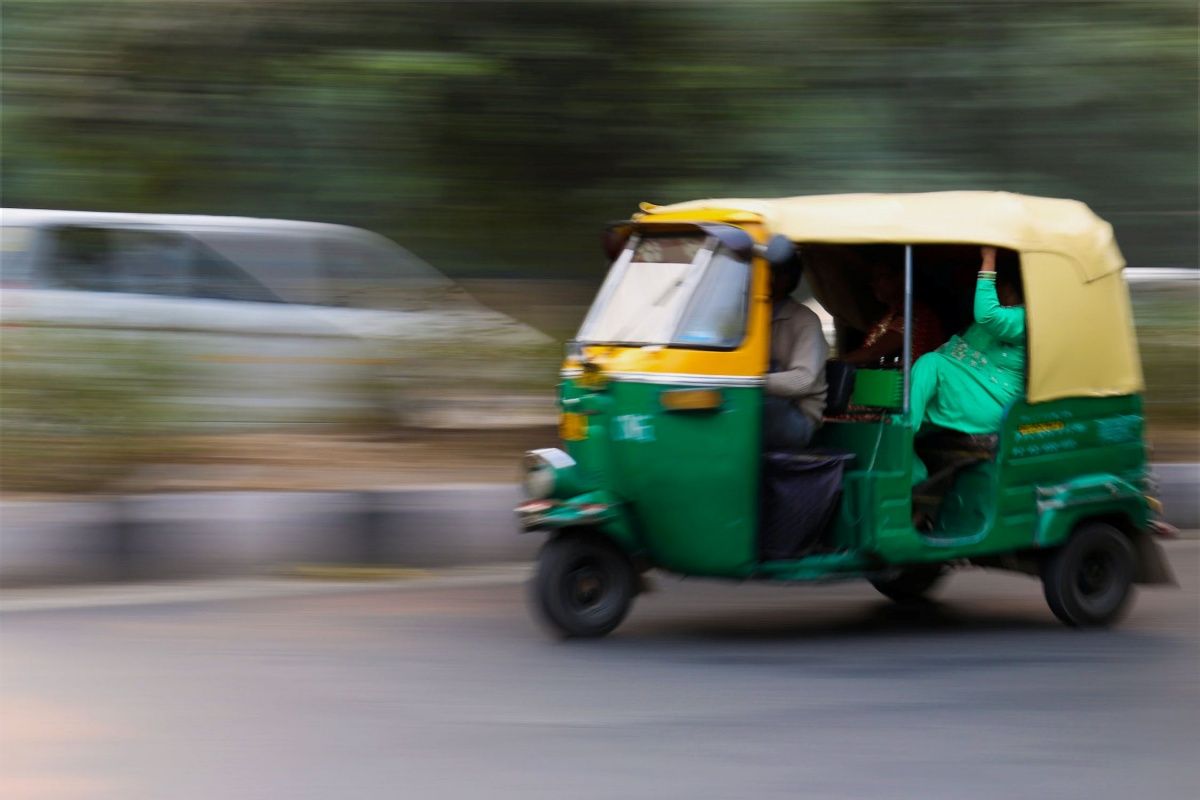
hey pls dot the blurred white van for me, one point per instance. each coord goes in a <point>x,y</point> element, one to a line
<point>272,321</point>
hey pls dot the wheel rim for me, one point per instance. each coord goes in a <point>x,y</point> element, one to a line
<point>1095,574</point>
<point>586,588</point>
<point>1099,581</point>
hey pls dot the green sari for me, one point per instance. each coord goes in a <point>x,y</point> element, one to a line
<point>967,383</point>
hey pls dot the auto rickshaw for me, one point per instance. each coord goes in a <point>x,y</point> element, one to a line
<point>663,466</point>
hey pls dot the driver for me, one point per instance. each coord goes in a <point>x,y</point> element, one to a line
<point>795,388</point>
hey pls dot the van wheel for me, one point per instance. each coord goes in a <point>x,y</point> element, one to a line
<point>911,584</point>
<point>583,587</point>
<point>1088,581</point>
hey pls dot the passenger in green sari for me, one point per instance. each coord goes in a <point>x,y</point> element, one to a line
<point>967,383</point>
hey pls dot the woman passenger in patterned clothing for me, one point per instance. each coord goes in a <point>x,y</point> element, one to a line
<point>885,340</point>
<point>967,383</point>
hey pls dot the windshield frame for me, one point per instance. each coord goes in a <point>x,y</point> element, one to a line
<point>710,248</point>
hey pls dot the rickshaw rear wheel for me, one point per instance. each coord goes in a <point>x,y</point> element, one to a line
<point>1088,582</point>
<point>911,584</point>
<point>583,586</point>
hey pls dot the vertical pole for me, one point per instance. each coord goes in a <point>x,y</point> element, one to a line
<point>908,298</point>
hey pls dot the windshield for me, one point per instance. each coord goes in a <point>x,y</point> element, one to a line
<point>671,289</point>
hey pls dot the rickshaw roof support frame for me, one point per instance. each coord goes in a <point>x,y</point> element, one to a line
<point>1081,337</point>
<point>908,302</point>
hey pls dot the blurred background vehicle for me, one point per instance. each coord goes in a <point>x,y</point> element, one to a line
<point>123,330</point>
<point>264,321</point>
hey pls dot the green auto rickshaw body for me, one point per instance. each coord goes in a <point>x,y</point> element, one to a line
<point>662,437</point>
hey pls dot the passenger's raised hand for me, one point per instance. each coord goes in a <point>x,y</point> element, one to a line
<point>989,259</point>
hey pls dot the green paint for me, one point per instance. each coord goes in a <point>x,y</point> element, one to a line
<point>689,480</point>
<point>881,388</point>
<point>683,486</point>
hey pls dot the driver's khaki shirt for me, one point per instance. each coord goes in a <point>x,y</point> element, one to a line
<point>798,353</point>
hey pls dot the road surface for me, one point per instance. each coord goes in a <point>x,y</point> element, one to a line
<point>445,689</point>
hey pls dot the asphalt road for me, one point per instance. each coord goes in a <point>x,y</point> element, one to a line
<point>445,689</point>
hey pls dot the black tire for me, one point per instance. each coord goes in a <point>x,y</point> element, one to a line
<point>1089,581</point>
<point>583,586</point>
<point>911,584</point>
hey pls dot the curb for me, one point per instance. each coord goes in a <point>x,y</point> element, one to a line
<point>343,535</point>
<point>1179,490</point>
<point>379,535</point>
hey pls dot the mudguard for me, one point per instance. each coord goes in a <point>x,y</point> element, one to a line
<point>1105,497</point>
<point>1063,506</point>
<point>597,510</point>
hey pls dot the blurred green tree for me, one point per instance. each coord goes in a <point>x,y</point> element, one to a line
<point>495,137</point>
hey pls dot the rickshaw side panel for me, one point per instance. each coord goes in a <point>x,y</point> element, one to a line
<point>1047,442</point>
<point>1081,458</point>
<point>1069,460</point>
<point>1058,463</point>
<point>875,501</point>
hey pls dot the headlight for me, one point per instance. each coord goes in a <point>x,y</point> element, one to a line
<point>542,471</point>
<point>539,482</point>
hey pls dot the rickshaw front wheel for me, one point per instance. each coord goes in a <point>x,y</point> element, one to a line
<point>583,586</point>
<point>1088,581</point>
<point>911,584</point>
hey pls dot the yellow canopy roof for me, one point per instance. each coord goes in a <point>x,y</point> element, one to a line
<point>1080,324</point>
<point>1018,222</point>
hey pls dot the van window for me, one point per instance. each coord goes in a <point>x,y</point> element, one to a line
<point>286,262</point>
<point>118,260</point>
<point>217,278</point>
<point>81,258</point>
<point>151,262</point>
<point>15,245</point>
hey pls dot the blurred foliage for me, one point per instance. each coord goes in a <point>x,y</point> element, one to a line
<point>1168,331</point>
<point>496,137</point>
<point>81,412</point>
<point>485,384</point>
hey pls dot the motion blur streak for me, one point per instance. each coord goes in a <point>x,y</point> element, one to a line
<point>491,136</point>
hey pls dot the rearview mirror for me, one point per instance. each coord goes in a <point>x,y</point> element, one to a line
<point>779,250</point>
<point>732,238</point>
